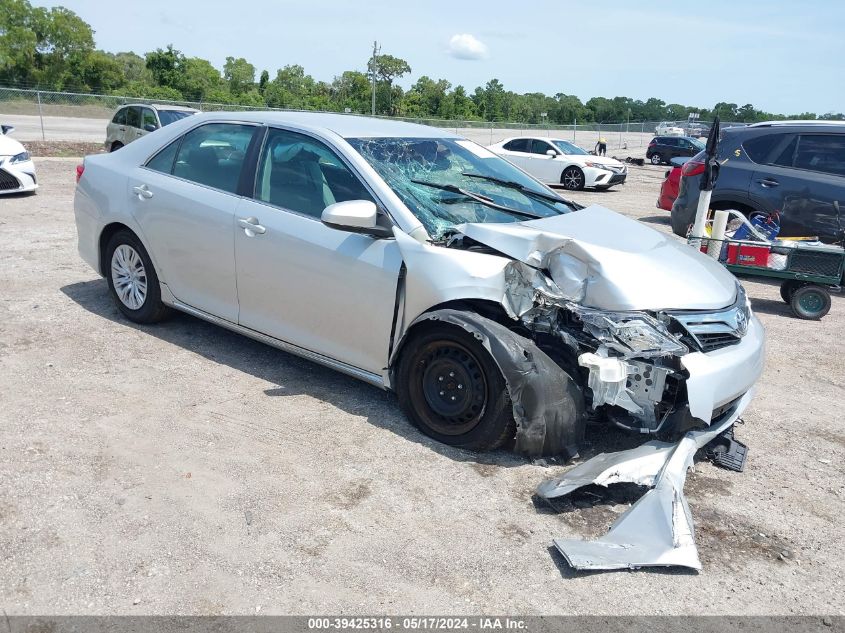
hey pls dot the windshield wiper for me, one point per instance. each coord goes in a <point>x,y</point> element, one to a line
<point>510,184</point>
<point>477,197</point>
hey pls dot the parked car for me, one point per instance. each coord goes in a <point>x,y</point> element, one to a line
<point>133,121</point>
<point>418,261</point>
<point>559,162</point>
<point>670,184</point>
<point>662,149</point>
<point>795,168</point>
<point>17,171</point>
<point>667,128</point>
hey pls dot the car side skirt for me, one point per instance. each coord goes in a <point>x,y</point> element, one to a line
<point>361,374</point>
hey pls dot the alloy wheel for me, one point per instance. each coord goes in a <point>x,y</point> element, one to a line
<point>129,277</point>
<point>572,179</point>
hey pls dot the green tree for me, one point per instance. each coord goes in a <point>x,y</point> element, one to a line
<point>166,66</point>
<point>198,78</point>
<point>262,82</point>
<point>239,74</point>
<point>133,67</point>
<point>388,68</point>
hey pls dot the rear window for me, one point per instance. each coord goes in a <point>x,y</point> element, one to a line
<point>120,117</point>
<point>517,145</point>
<point>762,149</point>
<point>171,116</point>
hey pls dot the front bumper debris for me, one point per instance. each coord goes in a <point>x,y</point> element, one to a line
<point>657,531</point>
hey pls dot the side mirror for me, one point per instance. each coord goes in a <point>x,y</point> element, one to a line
<point>355,216</point>
<point>551,152</point>
<point>149,127</point>
<point>7,129</point>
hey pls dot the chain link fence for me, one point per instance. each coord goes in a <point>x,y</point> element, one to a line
<point>66,116</point>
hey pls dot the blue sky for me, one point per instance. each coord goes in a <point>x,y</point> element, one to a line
<point>784,57</point>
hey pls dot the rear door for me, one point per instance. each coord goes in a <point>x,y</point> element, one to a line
<point>804,179</point>
<point>518,151</point>
<point>117,127</point>
<point>184,200</point>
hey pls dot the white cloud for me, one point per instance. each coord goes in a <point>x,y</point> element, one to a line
<point>466,46</point>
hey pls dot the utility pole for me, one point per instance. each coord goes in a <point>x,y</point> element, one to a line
<point>375,55</point>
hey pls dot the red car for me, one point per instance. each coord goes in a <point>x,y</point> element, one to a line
<point>671,183</point>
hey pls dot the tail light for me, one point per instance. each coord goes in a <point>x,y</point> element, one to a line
<point>80,169</point>
<point>692,168</point>
<point>652,144</point>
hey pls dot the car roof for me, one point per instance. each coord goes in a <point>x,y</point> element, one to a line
<point>795,123</point>
<point>160,106</point>
<point>344,125</point>
<point>689,138</point>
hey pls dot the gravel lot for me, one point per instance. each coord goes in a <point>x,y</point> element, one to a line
<point>184,469</point>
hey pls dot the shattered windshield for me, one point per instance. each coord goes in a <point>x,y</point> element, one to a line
<point>449,181</point>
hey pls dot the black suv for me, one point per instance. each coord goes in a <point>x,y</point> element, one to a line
<point>797,169</point>
<point>662,149</point>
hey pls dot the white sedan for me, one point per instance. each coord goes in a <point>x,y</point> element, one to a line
<point>559,162</point>
<point>17,171</point>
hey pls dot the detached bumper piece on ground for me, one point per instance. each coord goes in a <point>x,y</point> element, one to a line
<point>657,531</point>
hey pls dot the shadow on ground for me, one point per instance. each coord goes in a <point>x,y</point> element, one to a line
<point>293,375</point>
<point>656,219</point>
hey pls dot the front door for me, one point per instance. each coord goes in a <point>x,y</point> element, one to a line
<point>322,289</point>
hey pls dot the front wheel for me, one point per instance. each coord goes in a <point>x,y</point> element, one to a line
<point>572,178</point>
<point>132,279</point>
<point>452,390</point>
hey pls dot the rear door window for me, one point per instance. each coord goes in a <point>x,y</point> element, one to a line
<point>764,149</point>
<point>823,153</point>
<point>211,155</point>
<point>518,145</point>
<point>120,117</point>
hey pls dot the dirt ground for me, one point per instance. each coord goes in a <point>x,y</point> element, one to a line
<point>183,469</point>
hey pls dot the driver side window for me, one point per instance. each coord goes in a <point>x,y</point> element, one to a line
<point>540,147</point>
<point>298,173</point>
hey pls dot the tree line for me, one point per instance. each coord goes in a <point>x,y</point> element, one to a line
<point>54,49</point>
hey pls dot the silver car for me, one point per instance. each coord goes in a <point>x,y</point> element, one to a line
<point>133,121</point>
<point>421,262</point>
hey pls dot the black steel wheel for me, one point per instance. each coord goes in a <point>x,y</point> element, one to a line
<point>453,391</point>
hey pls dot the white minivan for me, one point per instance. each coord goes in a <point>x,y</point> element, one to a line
<point>132,121</point>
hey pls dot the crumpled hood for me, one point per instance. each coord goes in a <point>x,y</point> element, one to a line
<point>604,260</point>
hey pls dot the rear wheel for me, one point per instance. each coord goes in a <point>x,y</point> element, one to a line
<point>656,159</point>
<point>116,146</point>
<point>452,390</point>
<point>572,178</point>
<point>810,302</point>
<point>132,279</point>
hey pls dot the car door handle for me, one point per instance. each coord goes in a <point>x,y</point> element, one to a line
<point>769,182</point>
<point>251,226</point>
<point>142,192</point>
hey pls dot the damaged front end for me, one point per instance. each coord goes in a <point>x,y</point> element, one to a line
<point>628,362</point>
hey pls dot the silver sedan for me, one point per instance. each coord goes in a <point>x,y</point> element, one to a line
<point>423,263</point>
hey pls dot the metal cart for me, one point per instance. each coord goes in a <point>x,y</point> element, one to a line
<point>806,273</point>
